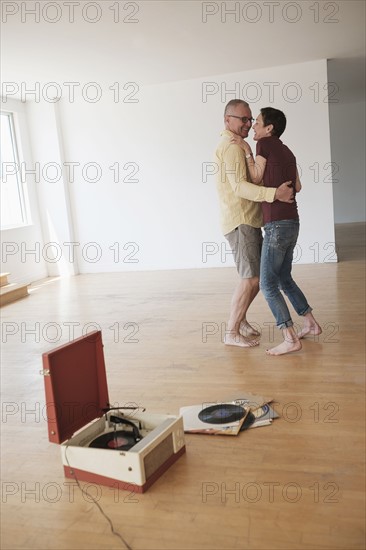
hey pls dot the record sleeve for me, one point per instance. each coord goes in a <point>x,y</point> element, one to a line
<point>265,412</point>
<point>214,418</point>
<point>259,405</point>
<point>246,399</point>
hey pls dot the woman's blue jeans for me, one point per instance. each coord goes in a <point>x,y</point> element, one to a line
<point>280,239</point>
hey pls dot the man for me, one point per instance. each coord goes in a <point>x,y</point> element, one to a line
<point>241,218</point>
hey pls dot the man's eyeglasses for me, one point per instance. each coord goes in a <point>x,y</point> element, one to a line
<point>244,119</point>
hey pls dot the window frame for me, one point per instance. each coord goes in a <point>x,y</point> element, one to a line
<point>16,143</point>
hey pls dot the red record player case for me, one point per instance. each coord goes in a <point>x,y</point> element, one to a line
<point>76,402</point>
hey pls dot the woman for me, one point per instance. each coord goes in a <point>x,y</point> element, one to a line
<point>275,163</point>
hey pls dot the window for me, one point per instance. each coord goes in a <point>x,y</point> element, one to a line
<point>13,208</point>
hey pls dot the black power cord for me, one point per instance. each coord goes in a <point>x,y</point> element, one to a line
<point>114,532</point>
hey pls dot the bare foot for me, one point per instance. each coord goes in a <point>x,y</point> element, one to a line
<point>310,330</point>
<point>247,330</point>
<point>285,347</point>
<point>239,340</point>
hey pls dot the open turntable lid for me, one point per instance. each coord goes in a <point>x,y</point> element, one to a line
<point>75,385</point>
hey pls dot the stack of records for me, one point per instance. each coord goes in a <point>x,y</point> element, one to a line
<point>229,417</point>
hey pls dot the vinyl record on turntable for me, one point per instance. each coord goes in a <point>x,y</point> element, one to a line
<point>222,413</point>
<point>119,440</point>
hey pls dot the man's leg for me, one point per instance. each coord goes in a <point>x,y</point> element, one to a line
<point>244,294</point>
<point>245,242</point>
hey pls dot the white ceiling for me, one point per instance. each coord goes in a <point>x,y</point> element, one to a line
<point>170,41</point>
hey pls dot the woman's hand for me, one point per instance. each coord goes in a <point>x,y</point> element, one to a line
<point>243,144</point>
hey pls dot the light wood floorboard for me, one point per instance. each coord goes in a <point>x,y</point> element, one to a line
<point>297,484</point>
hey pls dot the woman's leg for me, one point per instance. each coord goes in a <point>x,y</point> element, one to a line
<point>290,343</point>
<point>279,243</point>
<point>297,297</point>
<point>311,326</point>
<point>278,237</point>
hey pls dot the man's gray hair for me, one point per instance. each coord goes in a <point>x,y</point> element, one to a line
<point>234,103</point>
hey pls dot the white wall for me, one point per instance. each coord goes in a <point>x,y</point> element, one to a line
<point>163,212</point>
<point>53,189</point>
<point>165,217</point>
<point>347,133</point>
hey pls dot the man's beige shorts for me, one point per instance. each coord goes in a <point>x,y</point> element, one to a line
<point>246,243</point>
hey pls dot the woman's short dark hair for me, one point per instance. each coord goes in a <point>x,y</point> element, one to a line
<point>276,118</point>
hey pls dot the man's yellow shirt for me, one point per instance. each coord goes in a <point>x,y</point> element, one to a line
<point>239,198</point>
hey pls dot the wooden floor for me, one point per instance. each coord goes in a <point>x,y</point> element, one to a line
<point>298,483</point>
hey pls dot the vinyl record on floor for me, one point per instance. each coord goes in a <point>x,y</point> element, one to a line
<point>261,411</point>
<point>119,440</point>
<point>221,414</point>
<point>249,420</point>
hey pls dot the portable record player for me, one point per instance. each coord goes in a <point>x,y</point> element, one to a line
<point>126,449</point>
